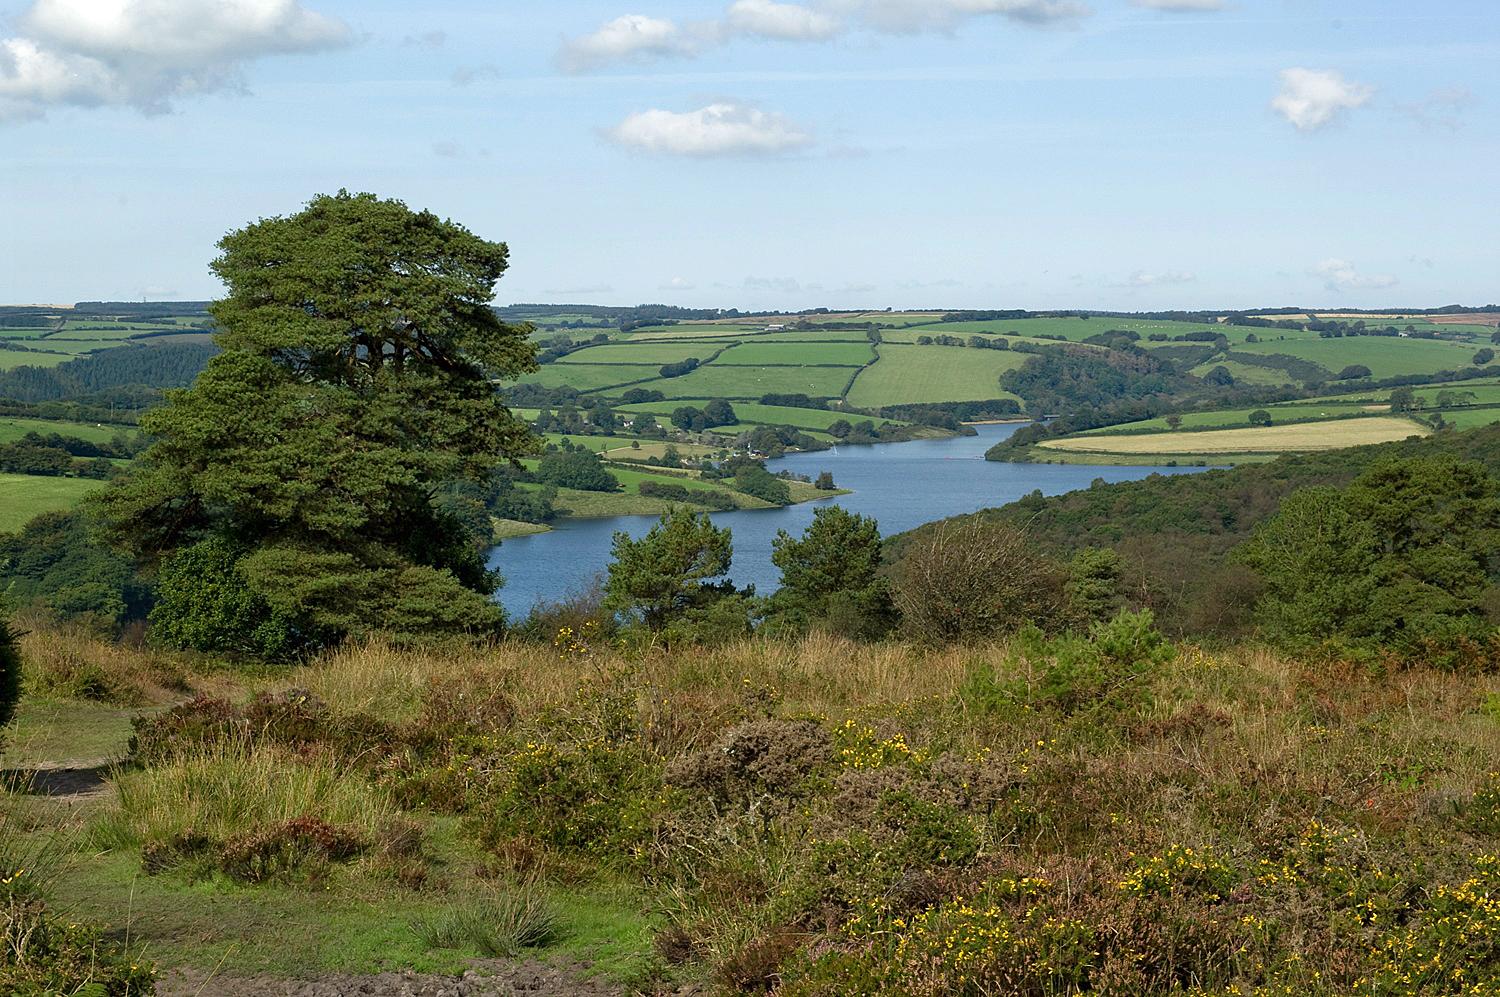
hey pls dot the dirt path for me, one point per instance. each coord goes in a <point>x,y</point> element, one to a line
<point>486,979</point>
<point>79,782</point>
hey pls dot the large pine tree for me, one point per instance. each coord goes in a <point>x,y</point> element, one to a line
<point>289,495</point>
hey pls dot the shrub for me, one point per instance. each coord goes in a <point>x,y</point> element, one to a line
<point>972,581</point>
<point>10,671</point>
<point>207,604</point>
<point>576,469</point>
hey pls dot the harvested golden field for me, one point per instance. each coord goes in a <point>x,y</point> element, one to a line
<point>1331,435</point>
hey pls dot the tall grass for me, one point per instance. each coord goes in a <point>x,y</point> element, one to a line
<point>229,790</point>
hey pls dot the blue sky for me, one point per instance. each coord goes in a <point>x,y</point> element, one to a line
<point>1122,154</point>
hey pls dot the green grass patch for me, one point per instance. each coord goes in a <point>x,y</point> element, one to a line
<point>719,380</point>
<point>12,429</point>
<point>11,359</point>
<point>845,354</point>
<point>49,732</point>
<point>646,354</point>
<point>915,374</point>
<point>1385,356</point>
<point>586,377</point>
<point>23,497</point>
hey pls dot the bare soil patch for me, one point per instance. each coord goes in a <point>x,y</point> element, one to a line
<point>487,979</point>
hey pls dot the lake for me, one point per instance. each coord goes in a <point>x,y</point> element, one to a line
<point>903,485</point>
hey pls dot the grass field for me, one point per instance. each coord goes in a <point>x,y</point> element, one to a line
<point>587,377</point>
<point>755,354</point>
<point>25,496</point>
<point>1235,418</point>
<point>1471,418</point>
<point>11,359</point>
<point>1245,373</point>
<point>913,374</point>
<point>765,415</point>
<point>718,380</point>
<point>651,354</point>
<point>1295,438</point>
<point>1385,356</point>
<point>12,429</point>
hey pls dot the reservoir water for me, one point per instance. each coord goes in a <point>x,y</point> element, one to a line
<point>903,485</point>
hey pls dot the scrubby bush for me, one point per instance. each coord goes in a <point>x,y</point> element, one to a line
<point>10,670</point>
<point>972,581</point>
<point>207,604</point>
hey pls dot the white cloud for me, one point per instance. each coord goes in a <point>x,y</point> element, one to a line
<point>1313,98</point>
<point>632,38</point>
<point>1144,278</point>
<point>1190,6</point>
<point>912,16</point>
<point>678,284</point>
<point>725,128</point>
<point>782,21</point>
<point>1340,275</point>
<point>146,53</point>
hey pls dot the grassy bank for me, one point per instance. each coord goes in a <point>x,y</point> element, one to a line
<point>812,815</point>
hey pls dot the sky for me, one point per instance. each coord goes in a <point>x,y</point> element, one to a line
<point>1105,154</point>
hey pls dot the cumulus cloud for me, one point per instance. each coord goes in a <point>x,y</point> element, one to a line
<point>146,53</point>
<point>1313,98</point>
<point>632,38</point>
<point>1340,275</point>
<point>1146,278</point>
<point>782,21</point>
<point>1189,6</point>
<point>678,284</point>
<point>724,128</point>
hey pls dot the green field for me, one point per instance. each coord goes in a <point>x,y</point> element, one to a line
<point>587,377</point>
<point>719,380</point>
<point>1235,418</point>
<point>1245,373</point>
<point>25,496</point>
<point>757,354</point>
<point>10,359</point>
<point>1385,356</point>
<point>650,354</point>
<point>13,429</point>
<point>914,374</point>
<point>1470,418</point>
<point>765,415</point>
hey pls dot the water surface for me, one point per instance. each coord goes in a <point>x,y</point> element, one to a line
<point>903,485</point>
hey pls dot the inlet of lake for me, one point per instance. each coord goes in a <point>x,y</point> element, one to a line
<point>902,485</point>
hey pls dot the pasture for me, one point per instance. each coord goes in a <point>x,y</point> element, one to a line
<point>11,359</point>
<point>587,377</point>
<point>1385,356</point>
<point>1293,438</point>
<point>26,496</point>
<point>647,354</point>
<point>841,354</point>
<point>1244,373</point>
<point>1234,418</point>
<point>12,429</point>
<point>719,380</point>
<point>915,374</point>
